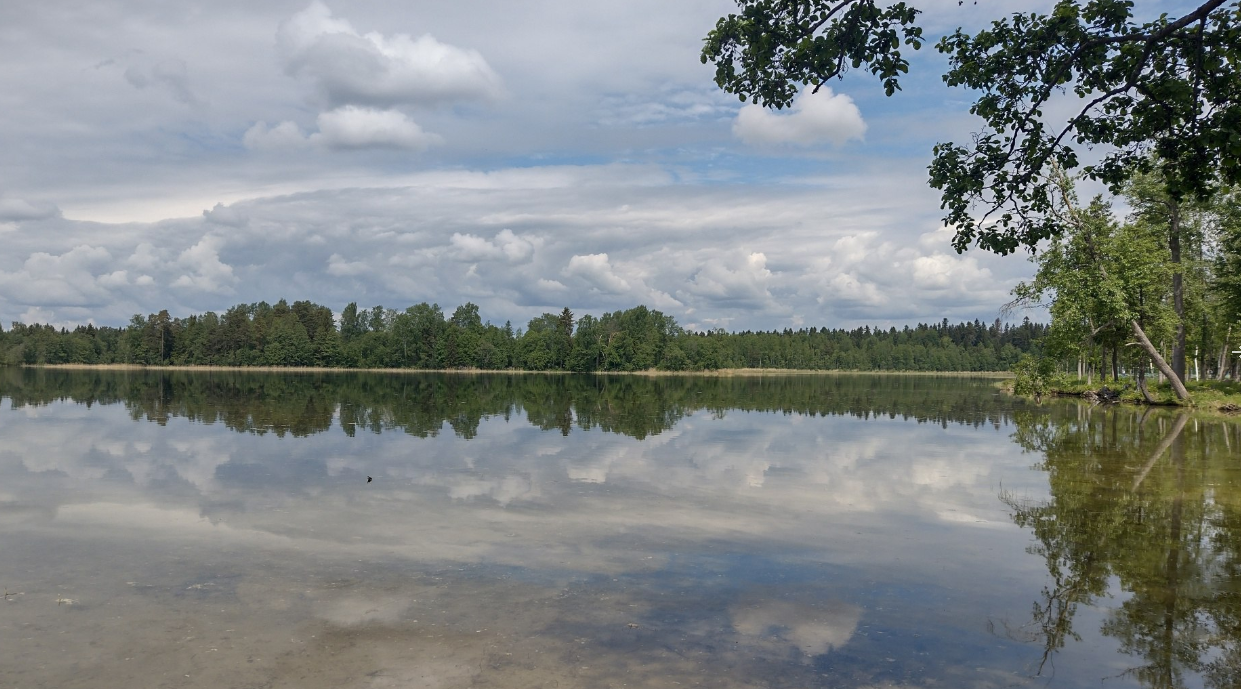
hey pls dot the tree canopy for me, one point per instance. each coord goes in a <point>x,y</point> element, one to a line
<point>1163,94</point>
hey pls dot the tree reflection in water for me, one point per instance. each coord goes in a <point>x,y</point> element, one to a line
<point>303,404</point>
<point>1137,499</point>
<point>1142,522</point>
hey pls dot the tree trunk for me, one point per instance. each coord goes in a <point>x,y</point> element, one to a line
<point>1223,356</point>
<point>1178,289</point>
<point>1146,395</point>
<point>1177,386</point>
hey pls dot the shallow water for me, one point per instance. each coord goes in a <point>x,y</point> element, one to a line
<point>218,530</point>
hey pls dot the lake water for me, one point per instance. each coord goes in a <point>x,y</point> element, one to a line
<point>219,530</point>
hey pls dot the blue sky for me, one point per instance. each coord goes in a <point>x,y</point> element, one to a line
<point>523,156</point>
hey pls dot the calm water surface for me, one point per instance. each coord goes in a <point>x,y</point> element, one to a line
<point>218,530</point>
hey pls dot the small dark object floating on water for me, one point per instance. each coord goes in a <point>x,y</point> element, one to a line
<point>369,479</point>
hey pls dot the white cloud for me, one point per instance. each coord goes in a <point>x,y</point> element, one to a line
<point>597,271</point>
<point>205,272</point>
<point>354,127</point>
<point>338,266</point>
<point>353,68</point>
<point>67,279</point>
<point>737,277</point>
<point>940,271</point>
<point>35,314</point>
<point>516,249</point>
<point>146,257</point>
<point>662,300</point>
<point>468,248</point>
<point>849,288</point>
<point>282,137</point>
<point>348,127</point>
<point>506,245</point>
<point>591,238</point>
<point>815,118</point>
<point>117,278</point>
<point>854,248</point>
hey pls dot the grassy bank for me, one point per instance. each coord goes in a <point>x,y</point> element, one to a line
<point>1206,395</point>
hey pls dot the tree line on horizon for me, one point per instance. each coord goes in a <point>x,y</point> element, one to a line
<point>422,337</point>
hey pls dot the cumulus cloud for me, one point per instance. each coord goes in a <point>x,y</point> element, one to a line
<point>662,300</point>
<point>506,245</point>
<point>117,278</point>
<point>593,239</point>
<point>348,127</point>
<point>596,271</point>
<point>739,278</point>
<point>373,69</point>
<point>940,271</point>
<point>354,127</point>
<point>815,118</point>
<point>145,257</point>
<point>282,137</point>
<point>338,266</point>
<point>204,271</point>
<point>849,288</point>
<point>68,279</point>
<point>16,210</point>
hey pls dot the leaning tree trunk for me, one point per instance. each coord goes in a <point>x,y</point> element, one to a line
<point>1177,386</point>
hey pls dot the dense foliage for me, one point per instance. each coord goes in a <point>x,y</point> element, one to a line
<point>1145,96</point>
<point>1167,273</point>
<point>421,337</point>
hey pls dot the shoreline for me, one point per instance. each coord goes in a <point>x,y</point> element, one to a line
<point>1201,400</point>
<point>726,372</point>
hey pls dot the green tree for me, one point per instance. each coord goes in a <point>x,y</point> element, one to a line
<point>417,333</point>
<point>563,342</point>
<point>536,347</point>
<point>288,343</point>
<point>1159,94</point>
<point>1102,279</point>
<point>351,324</point>
<point>587,351</point>
<point>465,332</point>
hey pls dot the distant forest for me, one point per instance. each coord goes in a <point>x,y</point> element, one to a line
<point>421,337</point>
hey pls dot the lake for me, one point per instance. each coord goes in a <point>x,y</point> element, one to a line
<point>224,529</point>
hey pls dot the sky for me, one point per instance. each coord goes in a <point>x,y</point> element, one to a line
<point>189,156</point>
